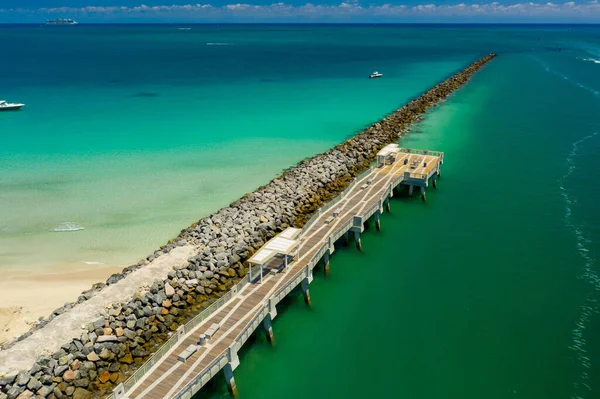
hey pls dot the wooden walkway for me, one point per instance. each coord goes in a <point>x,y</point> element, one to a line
<point>255,301</point>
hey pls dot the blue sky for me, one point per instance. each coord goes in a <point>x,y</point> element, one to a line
<point>301,11</point>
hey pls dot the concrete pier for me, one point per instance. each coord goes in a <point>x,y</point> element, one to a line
<point>252,302</point>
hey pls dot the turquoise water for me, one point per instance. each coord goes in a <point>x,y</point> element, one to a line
<point>489,290</point>
<point>135,132</point>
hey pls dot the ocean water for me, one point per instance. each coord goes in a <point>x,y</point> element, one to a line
<point>488,290</point>
<point>131,133</point>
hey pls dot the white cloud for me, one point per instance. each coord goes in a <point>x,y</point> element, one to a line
<point>346,9</point>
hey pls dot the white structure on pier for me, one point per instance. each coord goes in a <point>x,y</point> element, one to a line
<point>284,243</point>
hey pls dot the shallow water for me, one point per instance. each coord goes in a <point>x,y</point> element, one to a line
<point>135,132</point>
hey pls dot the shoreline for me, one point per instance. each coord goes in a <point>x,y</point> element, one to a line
<point>223,241</point>
<point>48,289</point>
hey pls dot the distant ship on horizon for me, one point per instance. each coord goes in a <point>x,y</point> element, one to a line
<point>60,21</point>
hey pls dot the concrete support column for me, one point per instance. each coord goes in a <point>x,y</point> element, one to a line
<point>388,206</point>
<point>228,372</point>
<point>272,309</point>
<point>326,263</point>
<point>434,181</point>
<point>357,240</point>
<point>423,197</point>
<point>377,221</point>
<point>269,329</point>
<point>347,238</point>
<point>306,292</point>
<point>410,190</point>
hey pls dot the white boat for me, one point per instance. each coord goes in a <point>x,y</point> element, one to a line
<point>60,21</point>
<point>4,106</point>
<point>375,75</point>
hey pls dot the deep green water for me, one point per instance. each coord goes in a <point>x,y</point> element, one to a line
<point>489,290</point>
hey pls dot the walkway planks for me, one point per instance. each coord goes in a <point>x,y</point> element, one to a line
<point>170,378</point>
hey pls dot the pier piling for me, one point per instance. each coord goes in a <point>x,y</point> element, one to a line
<point>377,221</point>
<point>388,207</point>
<point>267,324</point>
<point>306,292</point>
<point>228,372</point>
<point>326,263</point>
<point>357,240</point>
<point>410,190</point>
<point>423,197</point>
<point>434,181</point>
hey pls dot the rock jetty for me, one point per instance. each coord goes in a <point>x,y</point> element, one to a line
<point>107,350</point>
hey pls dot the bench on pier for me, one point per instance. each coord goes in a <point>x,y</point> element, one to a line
<point>337,212</point>
<point>212,330</point>
<point>366,184</point>
<point>329,219</point>
<point>189,351</point>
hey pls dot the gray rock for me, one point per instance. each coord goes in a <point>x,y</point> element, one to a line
<point>45,379</point>
<point>23,378</point>
<point>44,391</point>
<point>82,383</point>
<point>7,380</point>
<point>59,370</point>
<point>33,384</point>
<point>107,338</point>
<point>15,391</point>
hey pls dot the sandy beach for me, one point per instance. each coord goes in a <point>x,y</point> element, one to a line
<point>27,296</point>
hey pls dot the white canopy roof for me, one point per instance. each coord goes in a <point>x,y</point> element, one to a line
<point>388,149</point>
<point>283,243</point>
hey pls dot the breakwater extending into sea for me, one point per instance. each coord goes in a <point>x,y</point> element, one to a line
<point>95,360</point>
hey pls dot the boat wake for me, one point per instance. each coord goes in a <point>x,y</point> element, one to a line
<point>67,226</point>
<point>595,61</point>
<point>568,79</point>
<point>219,44</point>
<point>590,275</point>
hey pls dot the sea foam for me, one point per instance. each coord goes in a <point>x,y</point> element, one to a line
<point>589,274</point>
<point>68,226</point>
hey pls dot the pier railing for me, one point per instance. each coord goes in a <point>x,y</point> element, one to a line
<point>182,331</point>
<point>223,358</point>
<point>421,152</point>
<point>337,199</point>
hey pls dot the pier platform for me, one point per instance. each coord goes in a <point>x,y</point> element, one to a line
<point>209,343</point>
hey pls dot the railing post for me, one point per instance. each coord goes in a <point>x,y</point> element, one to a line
<point>119,391</point>
<point>180,332</point>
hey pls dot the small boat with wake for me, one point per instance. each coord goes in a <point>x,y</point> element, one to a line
<point>375,75</point>
<point>4,106</point>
